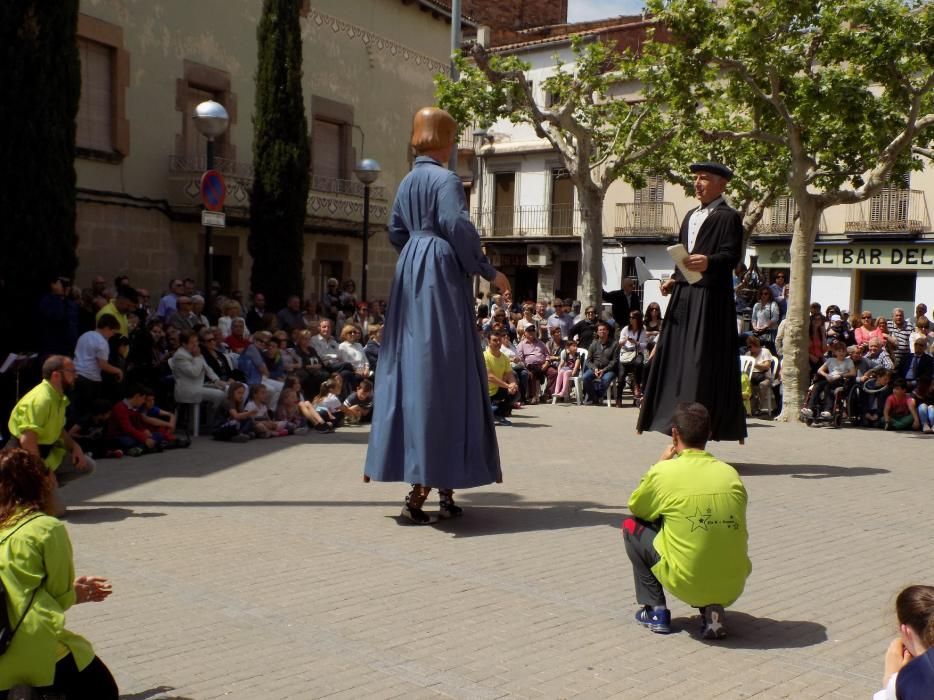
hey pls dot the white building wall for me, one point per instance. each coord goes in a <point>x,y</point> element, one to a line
<point>924,289</point>
<point>832,287</point>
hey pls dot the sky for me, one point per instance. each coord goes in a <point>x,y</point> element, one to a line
<point>583,10</point>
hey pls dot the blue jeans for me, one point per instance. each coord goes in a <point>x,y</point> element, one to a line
<point>596,388</point>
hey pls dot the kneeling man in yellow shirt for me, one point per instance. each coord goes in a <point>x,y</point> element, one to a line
<point>688,531</point>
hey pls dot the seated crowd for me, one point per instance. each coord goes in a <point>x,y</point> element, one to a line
<point>254,373</point>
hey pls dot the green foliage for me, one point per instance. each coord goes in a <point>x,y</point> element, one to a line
<point>280,156</point>
<point>830,81</point>
<point>40,79</point>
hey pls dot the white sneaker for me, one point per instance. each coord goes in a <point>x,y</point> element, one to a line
<point>826,414</point>
<point>807,413</point>
<point>928,429</point>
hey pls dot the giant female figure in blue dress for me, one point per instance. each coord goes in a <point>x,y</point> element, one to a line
<point>432,421</point>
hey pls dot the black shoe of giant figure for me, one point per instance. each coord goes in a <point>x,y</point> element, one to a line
<point>415,515</point>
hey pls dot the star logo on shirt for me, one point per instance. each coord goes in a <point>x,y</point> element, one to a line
<point>699,520</point>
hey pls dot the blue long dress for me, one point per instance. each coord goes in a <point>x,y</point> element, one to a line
<point>432,422</point>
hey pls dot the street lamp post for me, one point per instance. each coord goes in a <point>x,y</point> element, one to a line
<point>211,121</point>
<point>367,172</point>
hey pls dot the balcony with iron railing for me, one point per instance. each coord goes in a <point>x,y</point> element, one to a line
<point>329,199</point>
<point>529,221</point>
<point>646,219</point>
<point>779,219</point>
<point>893,210</point>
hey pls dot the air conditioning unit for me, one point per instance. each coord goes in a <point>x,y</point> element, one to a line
<point>538,256</point>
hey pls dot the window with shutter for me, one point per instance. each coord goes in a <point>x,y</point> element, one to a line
<point>327,152</point>
<point>94,128</point>
<point>649,204</point>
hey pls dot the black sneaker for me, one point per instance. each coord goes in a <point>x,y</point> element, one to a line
<point>415,515</point>
<point>450,510</point>
<point>714,618</point>
<point>500,420</point>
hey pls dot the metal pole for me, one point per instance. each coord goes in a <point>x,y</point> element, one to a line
<point>455,46</point>
<point>208,234</point>
<point>366,240</point>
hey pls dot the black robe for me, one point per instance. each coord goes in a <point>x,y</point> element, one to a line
<point>697,356</point>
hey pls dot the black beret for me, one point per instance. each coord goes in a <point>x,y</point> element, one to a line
<point>715,168</point>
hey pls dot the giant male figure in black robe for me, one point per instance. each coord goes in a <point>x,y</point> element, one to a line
<point>696,358</point>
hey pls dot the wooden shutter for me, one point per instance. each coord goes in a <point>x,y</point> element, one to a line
<point>95,109</point>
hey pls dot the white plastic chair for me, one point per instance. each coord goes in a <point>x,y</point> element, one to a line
<point>579,379</point>
<point>746,364</point>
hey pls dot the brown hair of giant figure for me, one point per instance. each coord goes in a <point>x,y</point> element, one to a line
<point>433,132</point>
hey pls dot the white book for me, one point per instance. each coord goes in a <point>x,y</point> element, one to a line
<point>679,254</point>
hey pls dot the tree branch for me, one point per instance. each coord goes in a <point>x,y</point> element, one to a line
<point>755,134</point>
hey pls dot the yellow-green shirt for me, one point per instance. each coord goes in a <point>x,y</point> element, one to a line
<point>110,308</point>
<point>38,554</point>
<point>703,538</point>
<point>42,411</point>
<point>499,366</point>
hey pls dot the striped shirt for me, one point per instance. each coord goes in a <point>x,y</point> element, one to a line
<point>902,339</point>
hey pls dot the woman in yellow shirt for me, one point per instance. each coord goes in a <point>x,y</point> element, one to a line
<point>37,571</point>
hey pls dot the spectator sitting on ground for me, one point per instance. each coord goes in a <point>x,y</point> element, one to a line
<point>909,659</point>
<point>687,532</point>
<point>264,425</point>
<point>290,315</point>
<point>917,365</point>
<point>358,406</point>
<point>288,412</point>
<point>328,404</point>
<point>830,376</point>
<point>90,433</point>
<point>232,422</point>
<point>900,411</point>
<point>924,402</point>
<point>602,361</point>
<point>232,311</point>
<point>761,378</point>
<point>161,421</point>
<point>501,382</point>
<point>38,578</point>
<point>128,430</point>
<point>533,354</point>
<point>875,391</point>
<point>238,340</point>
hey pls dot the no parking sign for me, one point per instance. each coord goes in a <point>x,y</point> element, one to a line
<point>213,190</point>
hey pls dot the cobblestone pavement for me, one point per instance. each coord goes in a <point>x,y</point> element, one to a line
<point>269,570</point>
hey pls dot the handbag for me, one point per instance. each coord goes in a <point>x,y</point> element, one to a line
<point>6,632</point>
<point>627,356</point>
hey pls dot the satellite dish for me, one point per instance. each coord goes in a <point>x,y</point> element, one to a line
<point>642,272</point>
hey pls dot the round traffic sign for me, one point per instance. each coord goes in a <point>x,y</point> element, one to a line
<point>213,190</point>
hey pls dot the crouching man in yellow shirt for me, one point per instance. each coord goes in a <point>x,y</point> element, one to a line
<point>687,533</point>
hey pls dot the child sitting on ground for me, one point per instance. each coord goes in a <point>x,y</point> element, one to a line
<point>127,428</point>
<point>289,413</point>
<point>875,390</point>
<point>264,425</point>
<point>358,407</point>
<point>90,432</point>
<point>232,422</point>
<point>161,421</point>
<point>900,411</point>
<point>328,404</point>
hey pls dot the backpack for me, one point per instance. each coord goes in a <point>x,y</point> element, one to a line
<point>6,630</point>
